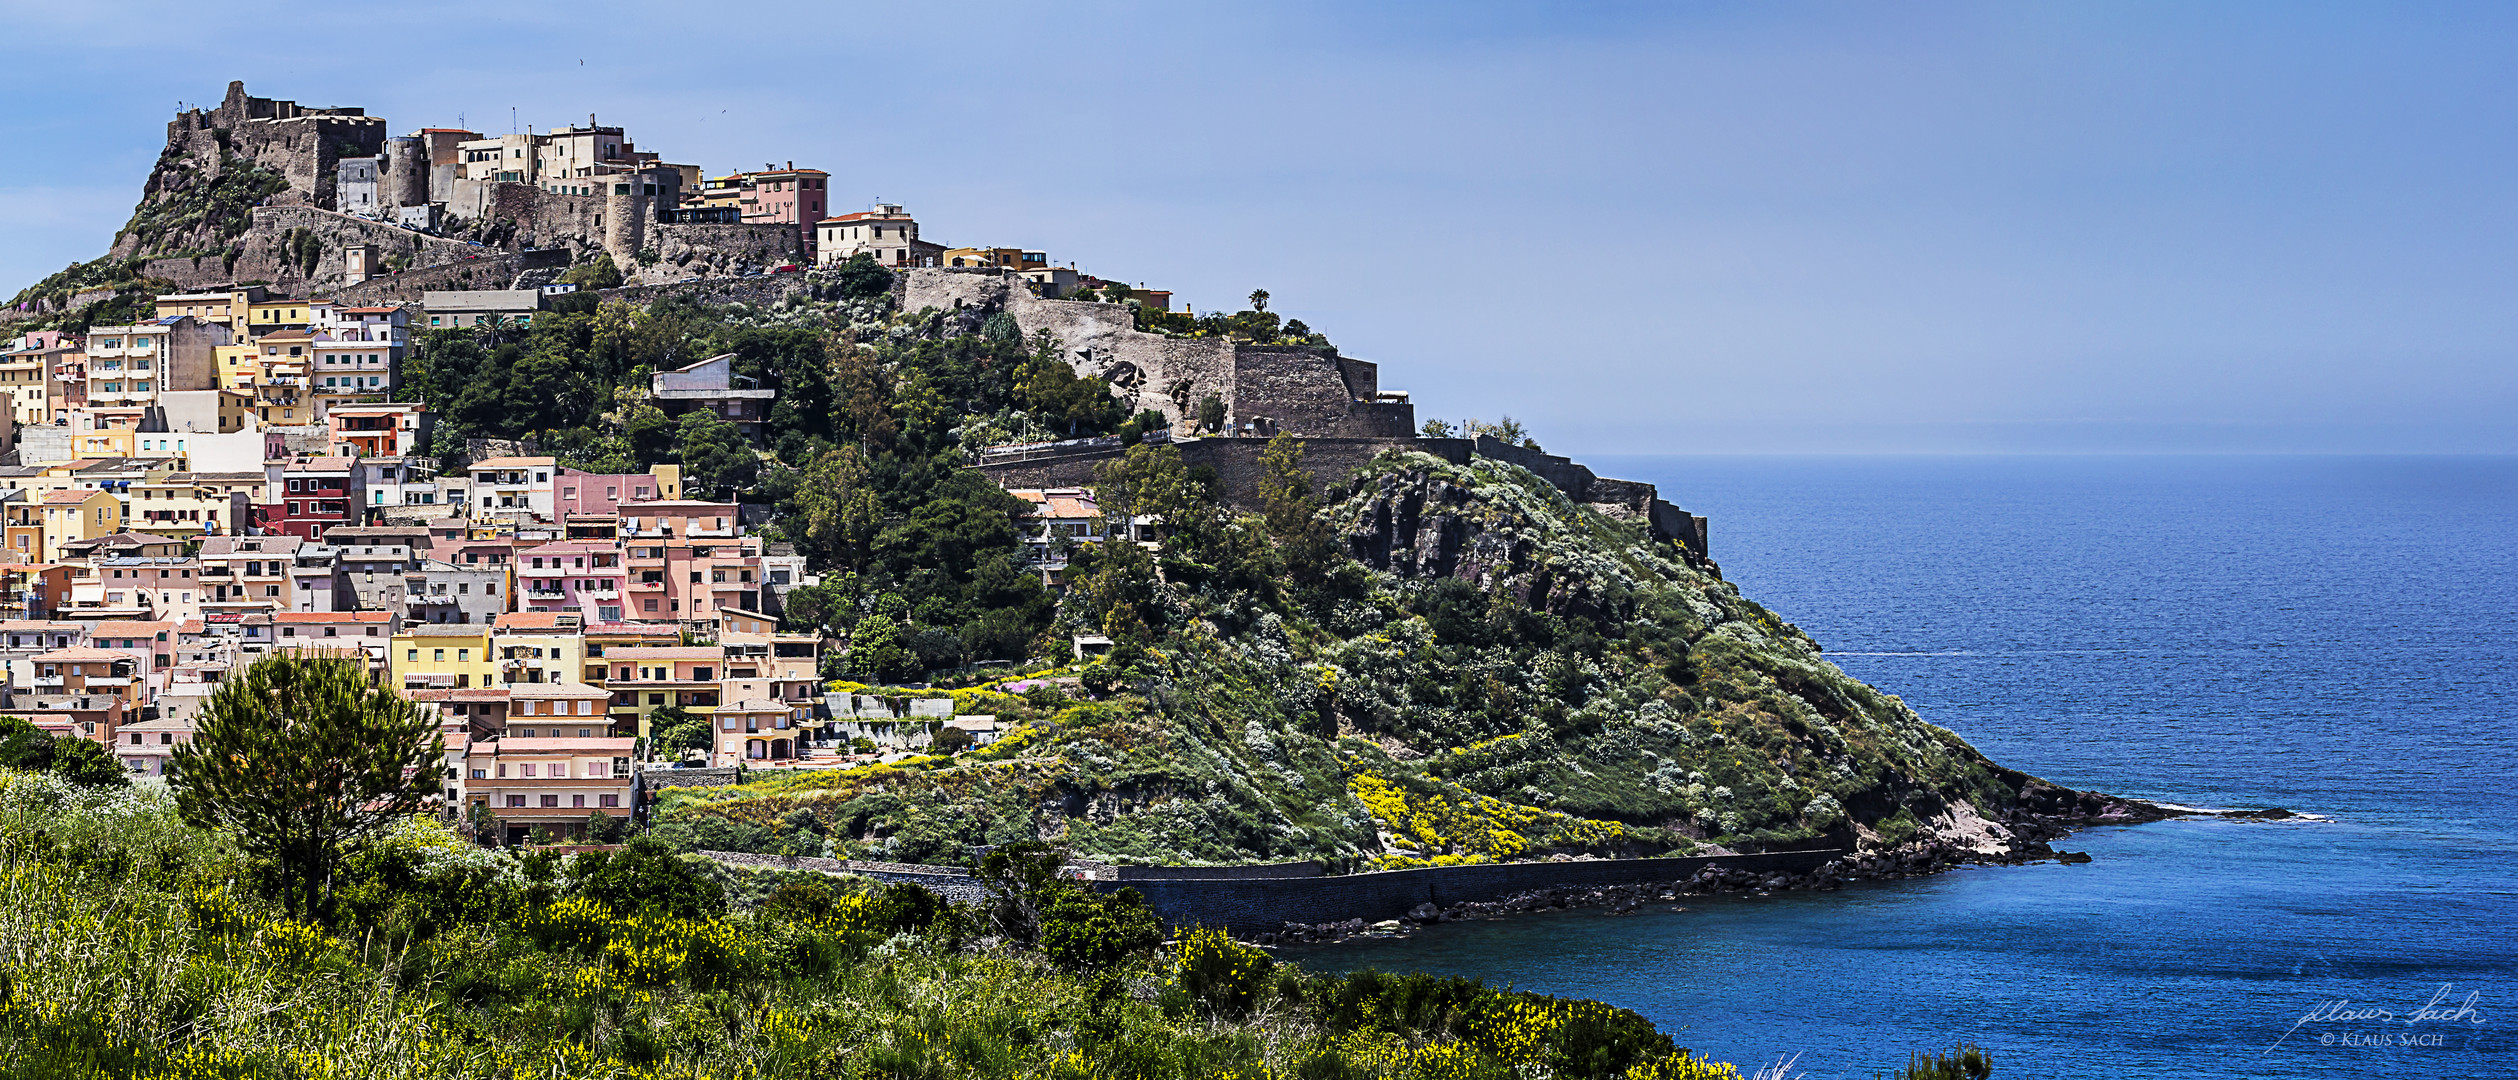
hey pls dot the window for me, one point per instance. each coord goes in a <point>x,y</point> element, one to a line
<point>608,800</point>
<point>516,801</point>
<point>551,802</point>
<point>577,800</point>
<point>439,655</point>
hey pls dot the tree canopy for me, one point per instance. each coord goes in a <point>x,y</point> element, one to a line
<point>303,761</point>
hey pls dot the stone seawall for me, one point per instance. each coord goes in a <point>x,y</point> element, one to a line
<point>1253,900</point>
<point>1250,906</point>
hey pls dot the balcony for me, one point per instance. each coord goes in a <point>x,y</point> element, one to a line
<point>545,594</point>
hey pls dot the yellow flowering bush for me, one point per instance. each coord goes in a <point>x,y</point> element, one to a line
<point>1219,973</point>
<point>1449,826</point>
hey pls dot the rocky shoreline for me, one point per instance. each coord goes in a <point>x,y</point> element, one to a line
<point>2046,813</point>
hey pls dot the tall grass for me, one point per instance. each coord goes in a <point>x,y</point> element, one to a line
<point>131,946</point>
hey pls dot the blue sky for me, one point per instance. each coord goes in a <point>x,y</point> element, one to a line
<point>1760,227</point>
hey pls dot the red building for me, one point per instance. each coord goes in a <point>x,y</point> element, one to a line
<point>310,496</point>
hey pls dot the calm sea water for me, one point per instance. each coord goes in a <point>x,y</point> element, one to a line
<point>2336,636</point>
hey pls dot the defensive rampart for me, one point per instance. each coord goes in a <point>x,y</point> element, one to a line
<point>1264,389</point>
<point>1329,461</point>
<point>1235,461</point>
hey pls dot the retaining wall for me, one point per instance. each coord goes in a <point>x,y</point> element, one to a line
<point>1209,873</point>
<point>950,882</point>
<point>1257,905</point>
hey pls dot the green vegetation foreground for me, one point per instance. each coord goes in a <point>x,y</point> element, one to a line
<point>135,945</point>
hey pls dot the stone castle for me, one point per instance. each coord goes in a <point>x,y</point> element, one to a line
<point>424,220</point>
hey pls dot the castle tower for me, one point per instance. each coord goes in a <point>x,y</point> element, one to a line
<point>625,219</point>
<point>405,180</point>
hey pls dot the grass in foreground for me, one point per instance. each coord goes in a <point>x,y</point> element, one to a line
<point>134,946</point>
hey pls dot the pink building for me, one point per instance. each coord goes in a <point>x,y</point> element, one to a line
<point>603,493</point>
<point>572,575</point>
<point>689,562</point>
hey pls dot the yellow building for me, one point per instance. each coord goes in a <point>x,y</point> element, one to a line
<point>77,514</point>
<point>279,392</point>
<point>24,378</point>
<point>188,505</point>
<point>441,656</point>
<point>539,647</point>
<point>278,315</point>
<point>239,366</point>
<point>107,443</point>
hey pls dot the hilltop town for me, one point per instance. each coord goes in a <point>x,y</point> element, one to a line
<point>820,622</point>
<point>260,425</point>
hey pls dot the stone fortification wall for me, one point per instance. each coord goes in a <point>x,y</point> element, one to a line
<point>1260,905</point>
<point>1329,461</point>
<point>1235,461</point>
<point>686,249</point>
<point>524,216</point>
<point>1281,388</point>
<point>1631,500</point>
<point>761,291</point>
<point>303,145</point>
<point>493,270</point>
<point>271,251</point>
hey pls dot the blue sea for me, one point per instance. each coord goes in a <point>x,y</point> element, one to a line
<point>2336,636</point>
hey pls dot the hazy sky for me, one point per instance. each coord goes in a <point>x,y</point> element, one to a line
<point>1681,227</point>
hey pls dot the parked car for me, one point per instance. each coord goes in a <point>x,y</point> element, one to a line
<point>790,268</point>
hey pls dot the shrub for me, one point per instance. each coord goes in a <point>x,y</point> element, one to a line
<point>1968,1062</point>
<point>1222,975</point>
<point>645,876</point>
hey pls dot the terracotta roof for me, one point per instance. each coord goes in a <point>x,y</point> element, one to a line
<point>133,627</point>
<point>666,652</point>
<point>447,630</point>
<point>70,496</point>
<point>82,652</point>
<point>556,690</point>
<point>643,629</point>
<point>532,620</point>
<point>516,745</point>
<point>333,617</point>
<point>483,693</point>
<point>511,463</point>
